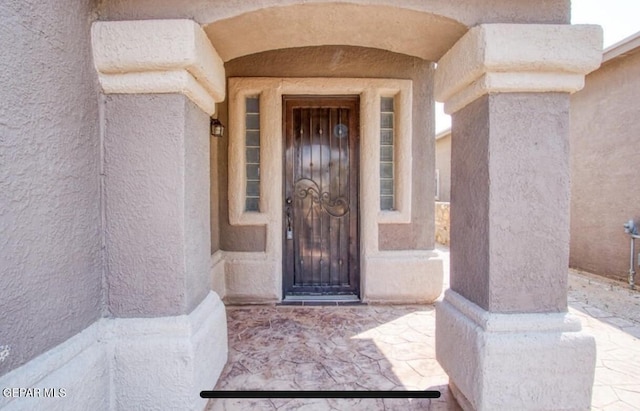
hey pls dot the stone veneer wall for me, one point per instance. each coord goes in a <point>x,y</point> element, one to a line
<point>442,222</point>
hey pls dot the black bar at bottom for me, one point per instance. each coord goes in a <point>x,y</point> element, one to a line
<point>320,394</point>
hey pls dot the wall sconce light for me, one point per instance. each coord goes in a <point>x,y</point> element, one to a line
<point>217,129</point>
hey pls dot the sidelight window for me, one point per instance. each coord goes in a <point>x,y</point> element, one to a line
<point>387,190</point>
<point>252,153</point>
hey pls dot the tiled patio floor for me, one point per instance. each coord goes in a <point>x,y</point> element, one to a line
<point>333,348</point>
<point>392,348</point>
<point>610,312</point>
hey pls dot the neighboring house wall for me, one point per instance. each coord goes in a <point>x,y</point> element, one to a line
<point>443,193</point>
<point>50,224</point>
<point>443,165</point>
<point>605,168</point>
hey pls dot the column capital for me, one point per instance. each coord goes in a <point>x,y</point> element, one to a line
<point>158,56</point>
<point>508,58</point>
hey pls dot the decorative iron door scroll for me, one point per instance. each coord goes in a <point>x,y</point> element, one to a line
<point>321,195</point>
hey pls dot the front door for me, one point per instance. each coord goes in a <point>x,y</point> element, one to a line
<point>320,215</point>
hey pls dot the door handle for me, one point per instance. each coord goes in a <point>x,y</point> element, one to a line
<point>288,201</point>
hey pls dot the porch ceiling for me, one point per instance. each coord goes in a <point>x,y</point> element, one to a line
<point>399,30</point>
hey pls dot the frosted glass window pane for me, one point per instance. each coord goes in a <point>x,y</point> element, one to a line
<point>386,104</point>
<point>252,104</point>
<point>386,120</point>
<point>386,153</point>
<point>386,203</point>
<point>386,170</point>
<point>253,155</point>
<point>253,188</point>
<point>253,138</point>
<point>252,204</point>
<point>386,137</point>
<point>253,121</point>
<point>386,187</point>
<point>253,172</point>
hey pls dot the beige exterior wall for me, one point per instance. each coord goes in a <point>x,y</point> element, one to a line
<point>443,174</point>
<point>387,239</point>
<point>417,28</point>
<point>443,165</point>
<point>605,167</point>
<point>340,62</point>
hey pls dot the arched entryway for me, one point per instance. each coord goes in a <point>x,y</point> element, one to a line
<point>507,86</point>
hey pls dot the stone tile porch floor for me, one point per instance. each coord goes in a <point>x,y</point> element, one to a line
<point>375,347</point>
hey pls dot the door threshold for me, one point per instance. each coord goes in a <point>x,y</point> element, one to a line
<point>321,300</point>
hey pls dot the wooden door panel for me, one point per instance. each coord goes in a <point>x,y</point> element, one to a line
<point>321,160</point>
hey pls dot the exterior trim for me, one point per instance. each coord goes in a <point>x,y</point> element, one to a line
<point>110,364</point>
<point>158,56</point>
<point>521,322</point>
<point>484,352</point>
<point>403,277</point>
<point>492,58</point>
<point>79,365</point>
<point>622,48</point>
<point>444,133</point>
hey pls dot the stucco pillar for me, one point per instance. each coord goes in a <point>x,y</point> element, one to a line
<point>503,333</point>
<point>167,337</point>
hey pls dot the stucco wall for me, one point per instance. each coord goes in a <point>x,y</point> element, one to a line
<point>157,197</point>
<point>50,260</point>
<point>510,202</point>
<point>468,13</point>
<point>443,163</point>
<point>197,199</point>
<point>605,142</point>
<point>336,61</point>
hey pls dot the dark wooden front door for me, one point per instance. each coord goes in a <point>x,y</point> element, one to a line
<point>320,215</point>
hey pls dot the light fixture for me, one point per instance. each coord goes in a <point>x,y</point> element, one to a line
<point>217,129</point>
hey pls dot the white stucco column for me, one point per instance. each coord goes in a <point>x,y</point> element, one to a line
<point>503,333</point>
<point>167,338</point>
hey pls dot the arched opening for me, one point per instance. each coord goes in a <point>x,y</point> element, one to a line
<point>160,318</point>
<point>396,29</point>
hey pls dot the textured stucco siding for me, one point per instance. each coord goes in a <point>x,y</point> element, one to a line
<point>470,225</point>
<point>510,202</point>
<point>157,204</point>
<point>196,160</point>
<point>342,61</point>
<point>50,259</point>
<point>479,11</point>
<point>605,142</point>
